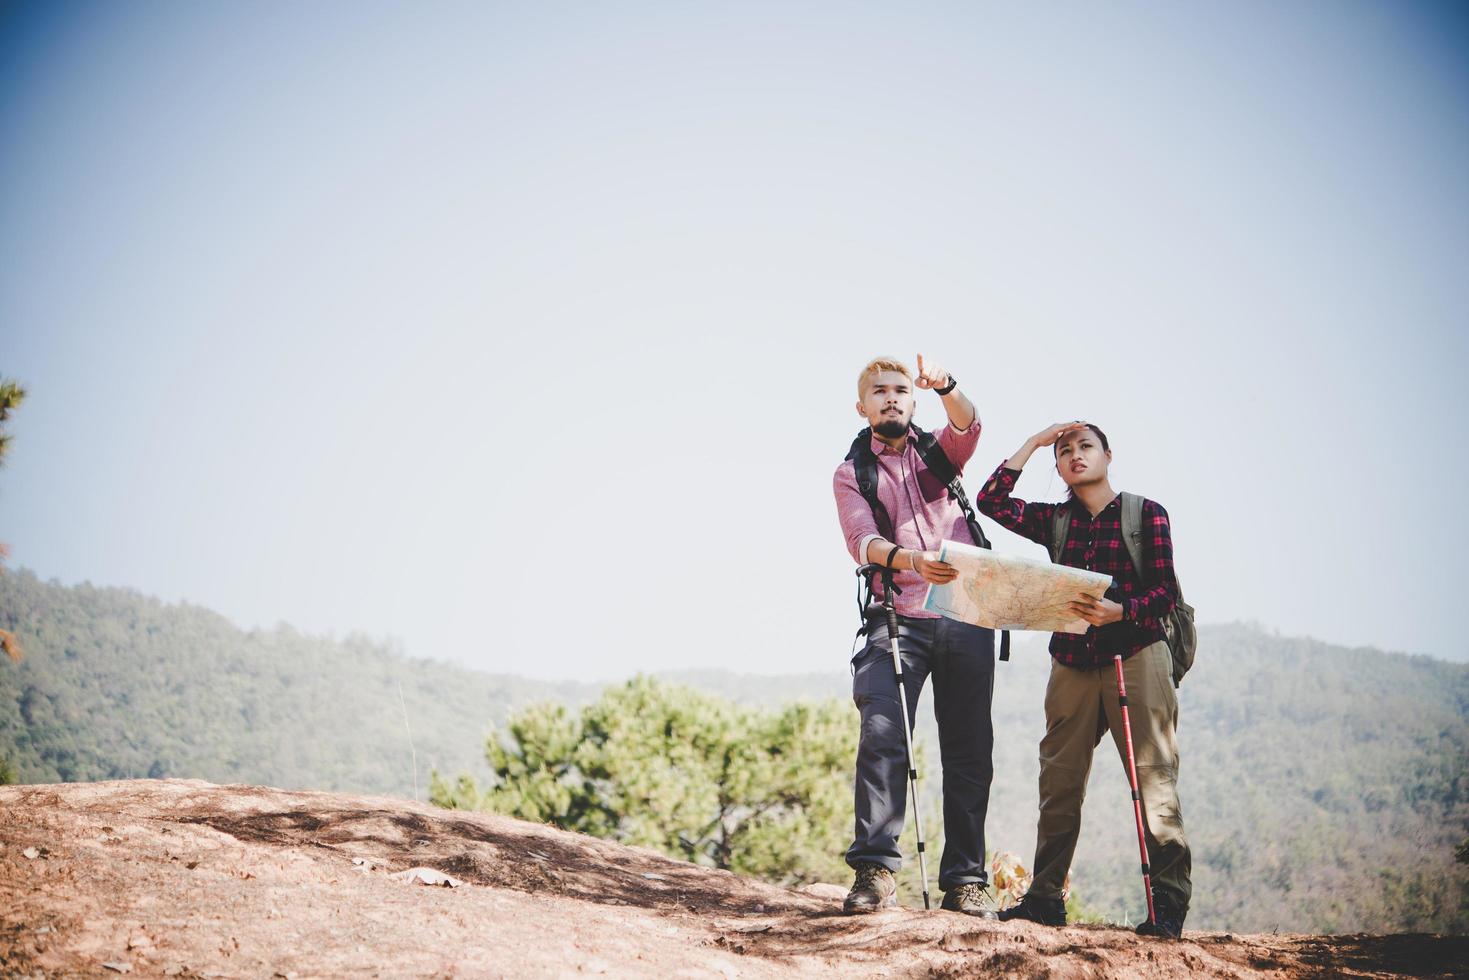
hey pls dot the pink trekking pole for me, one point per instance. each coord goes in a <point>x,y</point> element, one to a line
<point>1137,800</point>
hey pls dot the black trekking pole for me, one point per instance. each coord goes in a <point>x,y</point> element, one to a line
<point>888,590</point>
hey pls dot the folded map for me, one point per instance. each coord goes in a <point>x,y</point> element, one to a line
<point>1012,593</point>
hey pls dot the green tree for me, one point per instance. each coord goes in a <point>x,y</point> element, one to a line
<point>538,773</point>
<point>801,825</point>
<point>11,395</point>
<point>760,792</point>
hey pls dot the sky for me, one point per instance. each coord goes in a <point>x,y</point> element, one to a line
<point>525,336</point>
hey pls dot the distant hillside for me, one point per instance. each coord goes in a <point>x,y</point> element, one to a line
<point>118,685</point>
<point>1324,788</point>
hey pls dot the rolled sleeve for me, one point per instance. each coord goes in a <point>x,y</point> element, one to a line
<point>1032,521</point>
<point>957,445</point>
<point>1001,481</point>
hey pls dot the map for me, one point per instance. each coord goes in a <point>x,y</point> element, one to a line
<point>1011,593</point>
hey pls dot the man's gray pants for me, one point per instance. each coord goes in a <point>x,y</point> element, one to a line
<point>961,660</point>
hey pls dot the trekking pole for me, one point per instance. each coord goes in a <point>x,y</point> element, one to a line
<point>1137,800</point>
<point>888,589</point>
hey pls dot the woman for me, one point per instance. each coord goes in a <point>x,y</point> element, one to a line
<point>1081,696</point>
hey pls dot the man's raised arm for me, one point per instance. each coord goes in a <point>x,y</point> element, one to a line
<point>960,409</point>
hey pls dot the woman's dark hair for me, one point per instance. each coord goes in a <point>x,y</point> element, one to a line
<point>1101,437</point>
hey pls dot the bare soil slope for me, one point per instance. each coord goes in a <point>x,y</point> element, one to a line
<point>186,878</point>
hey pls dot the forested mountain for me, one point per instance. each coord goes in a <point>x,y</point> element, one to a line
<point>116,685</point>
<point>1324,788</point>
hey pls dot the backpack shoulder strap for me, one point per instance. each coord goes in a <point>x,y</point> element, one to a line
<point>1060,528</point>
<point>1132,529</point>
<point>864,463</point>
<point>941,466</point>
<point>933,455</point>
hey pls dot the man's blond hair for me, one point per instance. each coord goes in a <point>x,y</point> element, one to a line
<point>877,366</point>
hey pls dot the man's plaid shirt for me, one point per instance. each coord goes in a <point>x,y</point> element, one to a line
<point>1095,543</point>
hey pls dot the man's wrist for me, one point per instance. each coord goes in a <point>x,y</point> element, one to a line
<point>946,389</point>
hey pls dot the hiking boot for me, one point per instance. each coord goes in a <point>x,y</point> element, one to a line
<point>875,888</point>
<point>971,898</point>
<point>1046,911</point>
<point>1167,923</point>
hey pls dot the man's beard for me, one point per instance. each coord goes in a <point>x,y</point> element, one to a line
<point>891,428</point>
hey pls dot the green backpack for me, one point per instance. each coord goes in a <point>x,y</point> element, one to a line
<point>1178,625</point>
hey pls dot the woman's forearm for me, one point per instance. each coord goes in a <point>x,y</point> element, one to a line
<point>1021,456</point>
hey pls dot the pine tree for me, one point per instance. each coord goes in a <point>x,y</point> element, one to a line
<point>762,792</point>
<point>11,395</point>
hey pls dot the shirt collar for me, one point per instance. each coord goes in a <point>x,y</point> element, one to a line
<point>879,447</point>
<point>1078,509</point>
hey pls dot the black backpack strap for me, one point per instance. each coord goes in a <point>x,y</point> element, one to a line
<point>864,464</point>
<point>941,466</point>
<point>933,455</point>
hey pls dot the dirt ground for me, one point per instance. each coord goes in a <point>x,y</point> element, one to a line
<point>185,878</point>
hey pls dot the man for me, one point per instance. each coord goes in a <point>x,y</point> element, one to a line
<point>959,657</point>
<point>1082,702</point>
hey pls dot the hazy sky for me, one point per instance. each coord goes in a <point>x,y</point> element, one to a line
<point>526,334</point>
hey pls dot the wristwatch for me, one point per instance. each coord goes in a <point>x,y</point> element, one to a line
<point>953,383</point>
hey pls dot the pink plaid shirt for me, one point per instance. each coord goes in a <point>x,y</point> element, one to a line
<point>919,504</point>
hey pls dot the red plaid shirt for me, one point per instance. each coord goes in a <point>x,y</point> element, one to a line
<point>1095,543</point>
